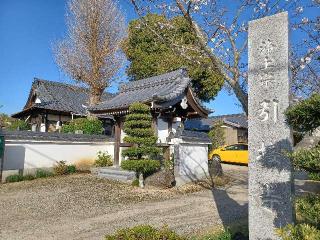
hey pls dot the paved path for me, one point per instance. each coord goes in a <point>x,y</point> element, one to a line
<point>186,213</point>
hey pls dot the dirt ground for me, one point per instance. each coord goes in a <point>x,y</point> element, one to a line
<point>85,207</point>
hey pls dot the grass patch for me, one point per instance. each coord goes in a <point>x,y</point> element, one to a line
<point>148,232</point>
<point>236,231</point>
<point>14,178</point>
<point>40,173</point>
<point>206,184</point>
<point>144,232</point>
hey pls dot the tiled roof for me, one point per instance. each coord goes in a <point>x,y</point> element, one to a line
<point>195,136</point>
<point>60,97</point>
<point>236,120</point>
<point>45,136</point>
<point>203,124</point>
<point>165,87</point>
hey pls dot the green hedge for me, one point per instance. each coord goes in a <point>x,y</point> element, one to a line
<point>88,126</point>
<point>144,232</point>
<point>143,166</point>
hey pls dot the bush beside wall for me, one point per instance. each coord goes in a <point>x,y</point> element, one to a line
<point>103,159</point>
<point>87,126</point>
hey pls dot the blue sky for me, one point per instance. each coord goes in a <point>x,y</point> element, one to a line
<point>27,31</point>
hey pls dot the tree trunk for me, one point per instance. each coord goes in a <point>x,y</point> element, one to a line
<point>95,96</point>
<point>241,95</point>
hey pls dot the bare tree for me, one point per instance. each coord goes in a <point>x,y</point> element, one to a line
<point>90,52</point>
<point>221,29</point>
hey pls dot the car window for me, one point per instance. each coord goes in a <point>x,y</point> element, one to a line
<point>232,147</point>
<point>243,147</point>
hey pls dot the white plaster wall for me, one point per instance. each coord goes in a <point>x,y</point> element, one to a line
<point>31,154</point>
<point>193,162</point>
<point>123,134</point>
<point>162,130</point>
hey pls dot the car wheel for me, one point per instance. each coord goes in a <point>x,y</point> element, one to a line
<point>216,158</point>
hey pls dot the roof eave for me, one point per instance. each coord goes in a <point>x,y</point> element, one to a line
<point>195,105</point>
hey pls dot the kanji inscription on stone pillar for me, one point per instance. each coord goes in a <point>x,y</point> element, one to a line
<point>270,171</point>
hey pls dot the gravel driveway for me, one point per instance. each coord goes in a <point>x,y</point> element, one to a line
<point>84,207</point>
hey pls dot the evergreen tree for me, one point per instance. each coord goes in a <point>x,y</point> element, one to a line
<point>138,127</point>
<point>149,57</point>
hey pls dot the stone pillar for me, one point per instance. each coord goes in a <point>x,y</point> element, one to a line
<point>270,171</point>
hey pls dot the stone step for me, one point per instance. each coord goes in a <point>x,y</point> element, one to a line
<point>116,176</point>
<point>116,171</point>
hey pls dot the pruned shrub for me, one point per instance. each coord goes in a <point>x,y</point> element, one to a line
<point>138,127</point>
<point>60,168</point>
<point>29,177</point>
<point>143,166</point>
<point>14,178</point>
<point>307,159</point>
<point>86,125</point>
<point>103,159</point>
<point>304,116</point>
<point>299,232</point>
<point>41,173</point>
<point>144,232</point>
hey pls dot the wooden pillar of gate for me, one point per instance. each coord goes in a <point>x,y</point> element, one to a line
<point>117,136</point>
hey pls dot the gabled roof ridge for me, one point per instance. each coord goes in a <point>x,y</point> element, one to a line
<point>227,115</point>
<point>45,81</point>
<point>152,81</point>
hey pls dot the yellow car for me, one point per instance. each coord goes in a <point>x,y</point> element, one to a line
<point>236,153</point>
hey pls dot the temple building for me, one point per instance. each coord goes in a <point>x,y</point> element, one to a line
<point>171,100</point>
<point>51,104</point>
